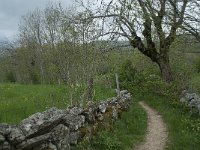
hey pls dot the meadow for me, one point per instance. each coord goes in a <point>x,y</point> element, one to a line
<point>18,101</point>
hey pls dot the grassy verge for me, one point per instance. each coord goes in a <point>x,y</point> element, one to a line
<point>19,101</point>
<point>195,80</point>
<point>184,127</point>
<point>126,134</point>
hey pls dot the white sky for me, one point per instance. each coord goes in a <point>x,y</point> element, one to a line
<point>12,10</point>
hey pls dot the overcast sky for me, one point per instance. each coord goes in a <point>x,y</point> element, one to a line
<point>12,10</point>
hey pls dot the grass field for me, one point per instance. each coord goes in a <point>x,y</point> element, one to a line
<point>18,101</point>
<point>183,126</point>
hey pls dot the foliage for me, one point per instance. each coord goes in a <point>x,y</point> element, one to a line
<point>145,78</point>
<point>127,72</point>
<point>129,76</point>
<point>34,77</point>
<point>10,76</point>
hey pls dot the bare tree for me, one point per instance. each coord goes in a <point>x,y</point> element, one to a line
<point>151,26</point>
<point>31,36</point>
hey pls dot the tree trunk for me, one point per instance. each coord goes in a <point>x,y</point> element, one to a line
<point>165,69</point>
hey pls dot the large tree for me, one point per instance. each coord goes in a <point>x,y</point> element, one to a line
<point>151,26</point>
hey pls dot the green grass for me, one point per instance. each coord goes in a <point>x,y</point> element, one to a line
<point>183,126</point>
<point>126,134</point>
<point>19,101</point>
<point>195,83</point>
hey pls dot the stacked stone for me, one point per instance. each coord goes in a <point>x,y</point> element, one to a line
<point>191,99</point>
<point>58,129</point>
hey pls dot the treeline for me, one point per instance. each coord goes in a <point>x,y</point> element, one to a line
<point>55,45</point>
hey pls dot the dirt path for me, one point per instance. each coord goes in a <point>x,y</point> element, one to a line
<point>156,132</point>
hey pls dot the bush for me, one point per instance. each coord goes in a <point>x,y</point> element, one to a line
<point>10,77</point>
<point>127,74</point>
<point>34,77</point>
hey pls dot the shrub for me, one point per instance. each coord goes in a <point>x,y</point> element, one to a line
<point>34,77</point>
<point>10,77</point>
<point>127,74</point>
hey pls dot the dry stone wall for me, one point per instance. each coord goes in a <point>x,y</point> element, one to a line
<point>57,129</point>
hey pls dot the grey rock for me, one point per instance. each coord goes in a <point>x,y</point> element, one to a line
<point>41,122</point>
<point>73,137</point>
<point>123,92</point>
<point>74,121</point>
<point>34,142</point>
<point>114,113</point>
<point>76,110</point>
<point>102,107</point>
<point>189,96</point>
<point>89,115</point>
<point>61,136</point>
<point>6,146</point>
<point>100,117</point>
<point>16,136</point>
<point>2,139</point>
<point>191,99</point>
<point>52,146</point>
<point>183,100</point>
<point>5,129</point>
<point>128,96</point>
<point>192,103</point>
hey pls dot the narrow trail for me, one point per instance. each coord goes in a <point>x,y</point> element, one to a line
<point>156,136</point>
